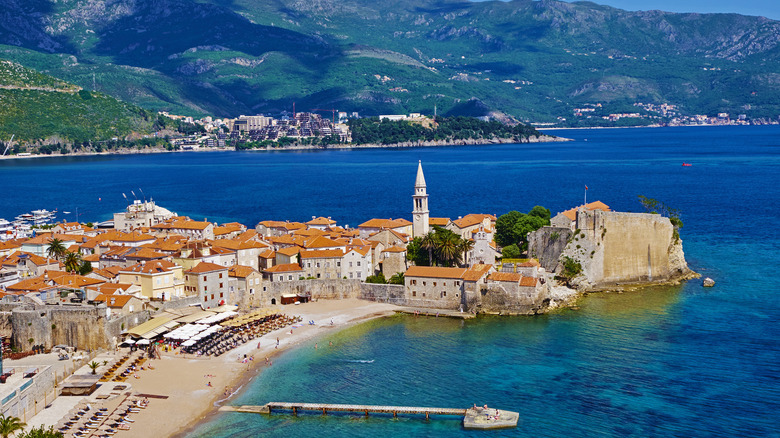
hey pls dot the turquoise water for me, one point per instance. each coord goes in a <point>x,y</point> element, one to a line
<point>671,361</point>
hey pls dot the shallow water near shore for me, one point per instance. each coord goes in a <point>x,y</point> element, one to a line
<point>664,361</point>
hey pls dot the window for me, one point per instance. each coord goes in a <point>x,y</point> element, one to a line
<point>205,298</point>
<point>212,296</point>
<point>265,288</point>
<point>434,284</point>
<point>424,283</point>
<point>350,264</point>
<point>220,294</point>
<point>443,294</point>
<point>358,274</point>
<point>414,293</point>
<point>423,294</point>
<point>289,277</point>
<point>220,275</point>
<point>231,288</point>
<point>318,275</point>
<point>308,265</point>
<point>220,285</point>
<point>338,264</point>
<point>444,283</point>
<point>457,283</point>
<point>251,291</point>
<point>205,288</point>
<point>281,277</point>
<point>204,278</point>
<point>414,282</point>
<point>159,281</point>
<point>358,263</point>
<point>350,275</point>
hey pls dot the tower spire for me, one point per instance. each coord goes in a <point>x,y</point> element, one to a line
<point>420,224</point>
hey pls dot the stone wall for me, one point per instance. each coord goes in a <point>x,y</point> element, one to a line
<point>383,293</point>
<point>615,247</point>
<point>25,403</point>
<point>511,298</point>
<point>78,326</point>
<point>547,244</point>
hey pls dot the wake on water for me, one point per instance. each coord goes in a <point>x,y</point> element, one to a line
<point>359,361</point>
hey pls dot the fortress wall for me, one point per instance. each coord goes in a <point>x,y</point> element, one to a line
<point>546,245</point>
<point>383,293</point>
<point>623,247</point>
<point>80,327</point>
<point>508,297</point>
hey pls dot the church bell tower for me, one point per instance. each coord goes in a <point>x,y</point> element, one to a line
<point>420,212</point>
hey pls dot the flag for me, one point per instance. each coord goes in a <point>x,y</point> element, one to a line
<point>133,193</point>
<point>586,187</point>
<point>124,195</point>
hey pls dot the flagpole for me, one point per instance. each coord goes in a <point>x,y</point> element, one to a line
<point>586,195</point>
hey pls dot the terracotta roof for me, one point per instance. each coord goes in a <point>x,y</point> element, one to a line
<point>530,263</point>
<point>114,301</point>
<point>132,237</point>
<point>110,288</point>
<point>472,219</point>
<point>385,223</point>
<point>439,221</point>
<point>105,273</point>
<point>17,255</point>
<point>11,244</point>
<point>289,251</point>
<point>285,267</point>
<point>204,267</point>
<point>321,253</point>
<point>228,228</point>
<point>571,213</point>
<point>241,271</point>
<point>268,254</point>
<point>505,276</point>
<point>28,285</point>
<point>476,272</point>
<point>362,250</point>
<point>434,272</point>
<point>91,258</point>
<point>395,249</point>
<point>150,267</point>
<point>528,281</point>
<point>321,221</point>
<point>75,280</point>
<point>147,254</point>
<point>311,232</point>
<point>321,242</point>
<point>183,224</point>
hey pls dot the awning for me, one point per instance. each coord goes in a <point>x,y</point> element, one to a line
<point>128,342</point>
<point>142,342</point>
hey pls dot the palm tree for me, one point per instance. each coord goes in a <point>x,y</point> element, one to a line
<point>9,425</point>
<point>72,262</point>
<point>448,248</point>
<point>464,247</point>
<point>429,242</point>
<point>93,366</point>
<point>56,248</point>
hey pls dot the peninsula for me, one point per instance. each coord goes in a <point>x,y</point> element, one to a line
<point>170,299</point>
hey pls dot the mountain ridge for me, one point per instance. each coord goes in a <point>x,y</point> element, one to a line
<point>535,60</point>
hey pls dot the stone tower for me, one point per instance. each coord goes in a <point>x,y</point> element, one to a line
<point>420,212</point>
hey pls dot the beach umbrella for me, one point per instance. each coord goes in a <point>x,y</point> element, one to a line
<point>128,342</point>
<point>142,342</point>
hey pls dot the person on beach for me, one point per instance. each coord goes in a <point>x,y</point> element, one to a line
<point>330,343</point>
<point>277,342</point>
<point>315,345</point>
<point>208,384</point>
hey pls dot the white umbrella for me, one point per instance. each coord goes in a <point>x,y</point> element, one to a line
<point>128,342</point>
<point>142,342</point>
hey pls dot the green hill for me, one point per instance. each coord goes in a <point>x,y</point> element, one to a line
<point>38,108</point>
<point>535,60</point>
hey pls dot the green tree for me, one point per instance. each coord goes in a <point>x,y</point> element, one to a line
<point>510,252</point>
<point>541,212</point>
<point>93,366</point>
<point>505,225</point>
<point>377,279</point>
<point>429,243</point>
<point>40,432</point>
<point>448,248</point>
<point>85,268</point>
<point>9,425</point>
<point>415,253</point>
<point>56,248</point>
<point>464,247</point>
<point>525,225</point>
<point>397,278</point>
<point>72,262</point>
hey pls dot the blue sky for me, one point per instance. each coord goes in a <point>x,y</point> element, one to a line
<point>766,8</point>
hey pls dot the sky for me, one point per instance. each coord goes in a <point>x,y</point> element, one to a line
<point>766,8</point>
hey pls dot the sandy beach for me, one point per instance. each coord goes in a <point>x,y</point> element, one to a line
<point>184,380</point>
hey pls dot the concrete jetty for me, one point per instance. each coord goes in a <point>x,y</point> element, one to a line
<point>473,418</point>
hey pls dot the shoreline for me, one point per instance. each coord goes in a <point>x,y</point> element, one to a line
<point>188,409</point>
<point>544,138</point>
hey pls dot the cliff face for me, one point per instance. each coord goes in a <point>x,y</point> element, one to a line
<point>617,248</point>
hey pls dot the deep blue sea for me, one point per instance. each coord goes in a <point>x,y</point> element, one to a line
<point>668,361</point>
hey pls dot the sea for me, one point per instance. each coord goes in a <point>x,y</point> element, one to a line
<point>681,361</point>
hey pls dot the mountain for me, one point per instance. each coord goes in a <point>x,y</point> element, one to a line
<point>38,108</point>
<point>535,60</point>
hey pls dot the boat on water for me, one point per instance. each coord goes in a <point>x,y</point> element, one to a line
<point>687,164</point>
